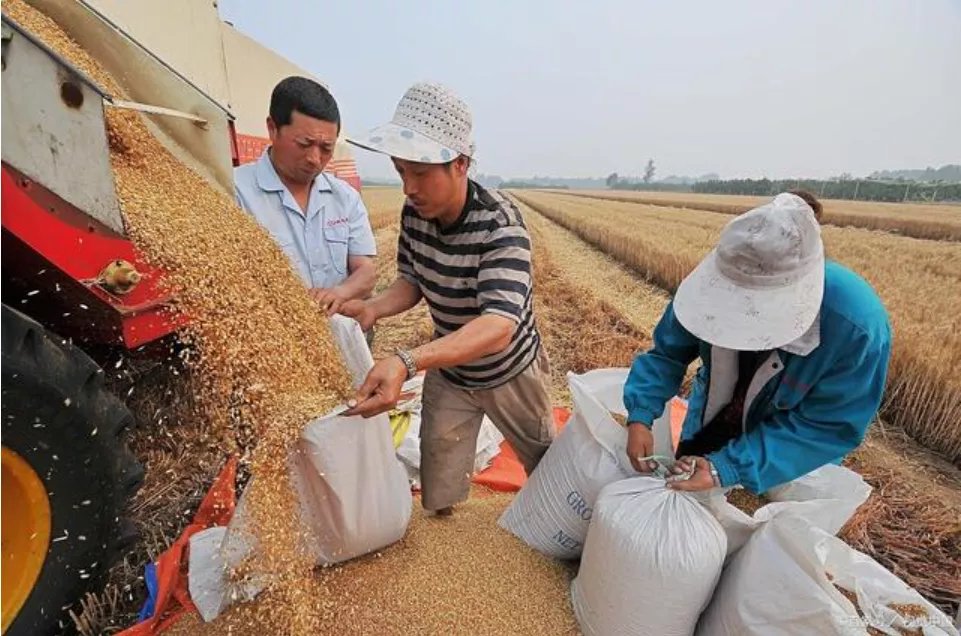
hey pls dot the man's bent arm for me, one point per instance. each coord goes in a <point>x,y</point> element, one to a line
<point>483,336</point>
<point>656,375</point>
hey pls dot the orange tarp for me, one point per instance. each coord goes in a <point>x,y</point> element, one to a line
<point>172,598</point>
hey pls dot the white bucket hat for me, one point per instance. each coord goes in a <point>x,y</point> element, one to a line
<point>761,287</point>
<point>431,125</point>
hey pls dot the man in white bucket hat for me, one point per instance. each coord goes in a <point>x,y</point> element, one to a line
<point>467,252</point>
<point>794,352</point>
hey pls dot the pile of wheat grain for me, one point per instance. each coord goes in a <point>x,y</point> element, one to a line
<point>450,575</point>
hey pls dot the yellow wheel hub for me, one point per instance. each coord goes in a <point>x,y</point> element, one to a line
<point>25,532</point>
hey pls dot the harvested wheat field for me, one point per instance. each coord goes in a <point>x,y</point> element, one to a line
<point>257,362</point>
<point>912,276</point>
<point>920,220</point>
<point>383,205</point>
<point>457,575</point>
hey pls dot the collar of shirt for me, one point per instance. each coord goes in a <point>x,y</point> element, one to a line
<point>269,180</point>
<point>477,199</point>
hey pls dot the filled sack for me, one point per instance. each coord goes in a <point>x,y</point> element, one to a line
<point>353,498</point>
<point>650,564</point>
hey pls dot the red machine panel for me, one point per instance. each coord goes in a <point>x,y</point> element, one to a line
<point>53,255</point>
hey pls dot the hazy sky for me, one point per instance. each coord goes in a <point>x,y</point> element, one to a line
<point>743,88</point>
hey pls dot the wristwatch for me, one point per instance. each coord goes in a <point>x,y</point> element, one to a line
<point>408,360</point>
<point>714,475</point>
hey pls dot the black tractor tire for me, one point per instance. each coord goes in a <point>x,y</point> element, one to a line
<point>58,416</point>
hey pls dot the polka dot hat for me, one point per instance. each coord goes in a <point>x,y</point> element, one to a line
<point>431,125</point>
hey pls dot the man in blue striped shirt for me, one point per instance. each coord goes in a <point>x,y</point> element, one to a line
<point>467,253</point>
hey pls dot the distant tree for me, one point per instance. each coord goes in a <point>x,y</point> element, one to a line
<point>649,171</point>
<point>611,180</point>
<point>861,189</point>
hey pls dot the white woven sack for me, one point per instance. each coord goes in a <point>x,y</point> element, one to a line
<point>652,558</point>
<point>827,497</point>
<point>551,513</point>
<point>778,585</point>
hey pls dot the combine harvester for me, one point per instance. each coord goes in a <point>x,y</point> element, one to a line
<point>72,278</point>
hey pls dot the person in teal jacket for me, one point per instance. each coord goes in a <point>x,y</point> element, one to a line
<point>794,352</point>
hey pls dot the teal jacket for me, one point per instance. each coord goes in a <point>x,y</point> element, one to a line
<point>808,408</point>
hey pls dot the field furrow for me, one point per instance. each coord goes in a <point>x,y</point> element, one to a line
<point>598,274</point>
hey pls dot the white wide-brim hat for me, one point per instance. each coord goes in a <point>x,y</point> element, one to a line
<point>431,125</point>
<point>761,288</point>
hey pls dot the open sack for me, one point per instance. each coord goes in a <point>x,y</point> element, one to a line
<point>553,510</point>
<point>785,581</point>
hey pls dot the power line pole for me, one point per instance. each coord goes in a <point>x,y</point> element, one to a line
<point>857,186</point>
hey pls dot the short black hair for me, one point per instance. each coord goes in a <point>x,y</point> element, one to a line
<point>305,96</point>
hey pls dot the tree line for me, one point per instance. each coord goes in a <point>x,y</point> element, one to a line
<point>853,189</point>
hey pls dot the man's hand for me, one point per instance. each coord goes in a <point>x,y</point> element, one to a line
<point>330,300</point>
<point>702,479</point>
<point>381,390</point>
<point>640,443</point>
<point>360,311</point>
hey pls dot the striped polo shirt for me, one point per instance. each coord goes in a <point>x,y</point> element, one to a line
<point>481,264</point>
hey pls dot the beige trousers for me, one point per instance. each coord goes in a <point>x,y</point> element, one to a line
<point>520,408</point>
